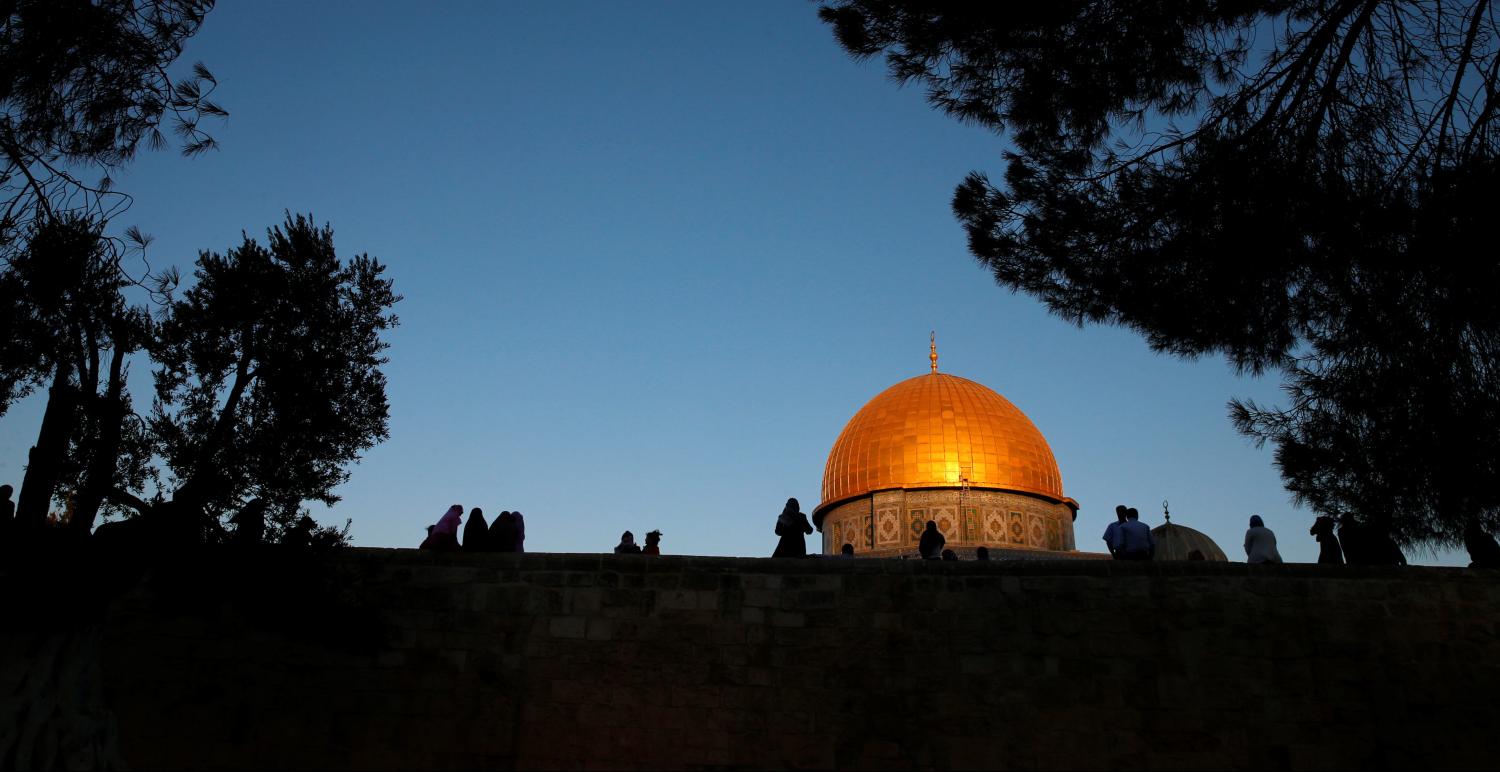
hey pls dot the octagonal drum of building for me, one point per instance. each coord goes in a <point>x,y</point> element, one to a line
<point>942,448</point>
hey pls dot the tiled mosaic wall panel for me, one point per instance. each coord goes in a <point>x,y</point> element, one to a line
<point>891,522</point>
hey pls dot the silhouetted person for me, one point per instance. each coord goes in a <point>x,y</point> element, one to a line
<point>627,545</point>
<point>846,551</point>
<point>1196,555</point>
<point>930,546</point>
<point>792,526</point>
<point>653,543</point>
<point>1260,543</point>
<point>1369,545</point>
<point>520,532</point>
<point>1329,550</point>
<point>1135,539</point>
<point>1112,532</point>
<point>950,555</point>
<point>249,524</point>
<point>299,536</point>
<point>444,535</point>
<point>1483,551</point>
<point>477,532</point>
<point>982,553</point>
<point>503,532</point>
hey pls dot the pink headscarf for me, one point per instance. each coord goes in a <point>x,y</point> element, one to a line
<point>449,523</point>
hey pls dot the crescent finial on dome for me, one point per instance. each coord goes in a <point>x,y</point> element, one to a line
<point>933,355</point>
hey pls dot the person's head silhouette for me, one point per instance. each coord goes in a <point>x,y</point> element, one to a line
<point>847,549</point>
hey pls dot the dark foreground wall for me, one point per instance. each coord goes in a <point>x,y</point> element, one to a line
<point>395,658</point>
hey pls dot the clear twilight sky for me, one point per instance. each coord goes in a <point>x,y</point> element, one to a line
<point>654,256</point>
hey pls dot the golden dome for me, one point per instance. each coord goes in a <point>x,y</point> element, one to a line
<point>933,431</point>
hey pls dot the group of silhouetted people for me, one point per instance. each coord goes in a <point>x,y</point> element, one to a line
<point>1128,538</point>
<point>627,545</point>
<point>506,534</point>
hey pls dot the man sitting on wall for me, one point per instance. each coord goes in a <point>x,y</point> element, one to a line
<point>1135,539</point>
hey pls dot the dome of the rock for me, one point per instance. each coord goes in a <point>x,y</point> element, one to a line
<point>942,448</point>
<point>1178,542</point>
<point>937,430</point>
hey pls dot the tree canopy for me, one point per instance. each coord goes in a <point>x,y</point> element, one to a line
<point>1297,185</point>
<point>268,380</point>
<point>82,84</point>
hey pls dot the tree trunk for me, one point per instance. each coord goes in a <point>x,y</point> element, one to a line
<point>44,463</point>
<point>100,475</point>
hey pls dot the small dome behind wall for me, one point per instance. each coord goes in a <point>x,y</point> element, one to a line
<point>1177,542</point>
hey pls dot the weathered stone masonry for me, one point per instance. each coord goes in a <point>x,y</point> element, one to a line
<point>397,658</point>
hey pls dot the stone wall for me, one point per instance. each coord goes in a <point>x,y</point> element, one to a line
<point>890,522</point>
<point>397,658</point>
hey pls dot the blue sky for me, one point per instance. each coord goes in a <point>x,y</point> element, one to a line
<point>654,256</point>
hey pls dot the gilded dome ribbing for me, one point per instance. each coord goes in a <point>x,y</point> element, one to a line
<point>935,431</point>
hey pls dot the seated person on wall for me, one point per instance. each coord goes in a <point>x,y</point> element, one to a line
<point>504,533</point>
<point>1260,543</point>
<point>1483,550</point>
<point>444,535</point>
<point>1329,550</point>
<point>653,543</point>
<point>1112,532</point>
<point>476,532</point>
<point>1135,541</point>
<point>931,544</point>
<point>627,545</point>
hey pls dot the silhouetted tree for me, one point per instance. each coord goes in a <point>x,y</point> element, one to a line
<point>1297,185</point>
<point>82,84</point>
<point>68,323</point>
<point>268,380</point>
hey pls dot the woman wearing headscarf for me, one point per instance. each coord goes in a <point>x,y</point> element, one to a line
<point>1260,543</point>
<point>503,533</point>
<point>444,535</point>
<point>627,545</point>
<point>476,532</point>
<point>792,526</point>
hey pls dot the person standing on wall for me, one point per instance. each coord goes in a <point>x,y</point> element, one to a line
<point>792,526</point>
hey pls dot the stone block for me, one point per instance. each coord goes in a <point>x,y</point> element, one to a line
<point>677,599</point>
<point>600,630</point>
<point>788,619</point>
<point>567,627</point>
